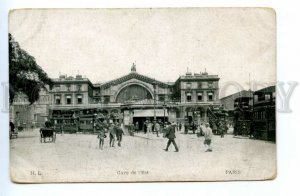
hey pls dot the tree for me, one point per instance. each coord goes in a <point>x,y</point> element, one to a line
<point>25,75</point>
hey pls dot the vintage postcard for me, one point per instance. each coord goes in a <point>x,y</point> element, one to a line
<point>142,95</point>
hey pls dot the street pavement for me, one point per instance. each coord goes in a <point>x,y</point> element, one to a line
<point>77,158</point>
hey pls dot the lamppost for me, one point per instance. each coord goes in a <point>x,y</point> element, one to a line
<point>94,122</point>
<point>164,106</point>
<point>154,99</point>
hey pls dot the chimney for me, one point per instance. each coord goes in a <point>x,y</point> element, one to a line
<point>78,77</point>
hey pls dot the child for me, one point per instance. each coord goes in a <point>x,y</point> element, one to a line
<point>101,137</point>
<point>207,137</point>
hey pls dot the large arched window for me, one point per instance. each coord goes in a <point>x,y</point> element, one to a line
<point>133,92</point>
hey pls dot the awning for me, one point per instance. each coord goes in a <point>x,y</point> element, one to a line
<point>210,93</point>
<point>68,96</point>
<point>149,113</point>
<point>189,94</point>
<point>199,94</point>
<point>79,96</point>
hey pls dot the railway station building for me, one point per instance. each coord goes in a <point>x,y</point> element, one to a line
<point>131,98</point>
<point>135,97</point>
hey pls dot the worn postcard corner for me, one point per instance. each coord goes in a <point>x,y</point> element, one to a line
<point>142,95</point>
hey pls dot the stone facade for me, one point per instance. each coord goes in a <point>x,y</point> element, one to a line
<point>134,96</point>
<point>27,115</point>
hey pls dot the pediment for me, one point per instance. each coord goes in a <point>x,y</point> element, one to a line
<point>133,75</point>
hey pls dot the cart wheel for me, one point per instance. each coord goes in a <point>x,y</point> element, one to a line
<point>53,138</point>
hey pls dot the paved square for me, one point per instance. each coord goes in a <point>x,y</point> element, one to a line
<point>77,158</point>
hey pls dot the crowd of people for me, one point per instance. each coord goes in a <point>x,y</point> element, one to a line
<point>170,133</point>
<point>115,131</point>
<point>148,126</point>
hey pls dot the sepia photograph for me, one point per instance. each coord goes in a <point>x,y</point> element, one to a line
<point>142,95</point>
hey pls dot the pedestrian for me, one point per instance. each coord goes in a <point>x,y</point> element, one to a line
<point>48,124</point>
<point>185,128</point>
<point>63,127</point>
<point>12,127</point>
<point>180,126</point>
<point>153,124</point>
<point>207,137</point>
<point>131,129</point>
<point>137,126</point>
<point>145,126</point>
<point>222,128</point>
<point>156,128</point>
<point>194,127</point>
<point>112,134</point>
<point>119,133</point>
<point>149,127</point>
<point>199,130</point>
<point>77,123</point>
<point>101,135</point>
<point>170,134</point>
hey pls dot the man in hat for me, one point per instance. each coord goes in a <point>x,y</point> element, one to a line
<point>156,128</point>
<point>145,126</point>
<point>101,135</point>
<point>119,133</point>
<point>207,137</point>
<point>170,134</point>
<point>112,134</point>
<point>48,124</point>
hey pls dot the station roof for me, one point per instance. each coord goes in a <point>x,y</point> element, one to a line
<point>133,75</point>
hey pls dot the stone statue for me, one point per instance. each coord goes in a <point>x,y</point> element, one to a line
<point>133,67</point>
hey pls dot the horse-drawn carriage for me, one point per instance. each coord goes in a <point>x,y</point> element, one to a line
<point>47,133</point>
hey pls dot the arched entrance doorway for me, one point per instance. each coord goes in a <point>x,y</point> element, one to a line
<point>133,92</point>
<point>135,96</point>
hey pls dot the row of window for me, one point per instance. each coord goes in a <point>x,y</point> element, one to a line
<point>261,115</point>
<point>68,99</point>
<point>210,96</point>
<point>67,87</point>
<point>105,99</point>
<point>200,85</point>
<point>264,97</point>
<point>42,99</point>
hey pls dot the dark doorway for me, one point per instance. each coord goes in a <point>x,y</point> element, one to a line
<point>141,121</point>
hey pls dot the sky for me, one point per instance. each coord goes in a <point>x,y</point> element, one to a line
<point>102,44</point>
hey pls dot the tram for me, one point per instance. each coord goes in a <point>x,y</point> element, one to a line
<point>79,120</point>
<point>243,116</point>
<point>264,119</point>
